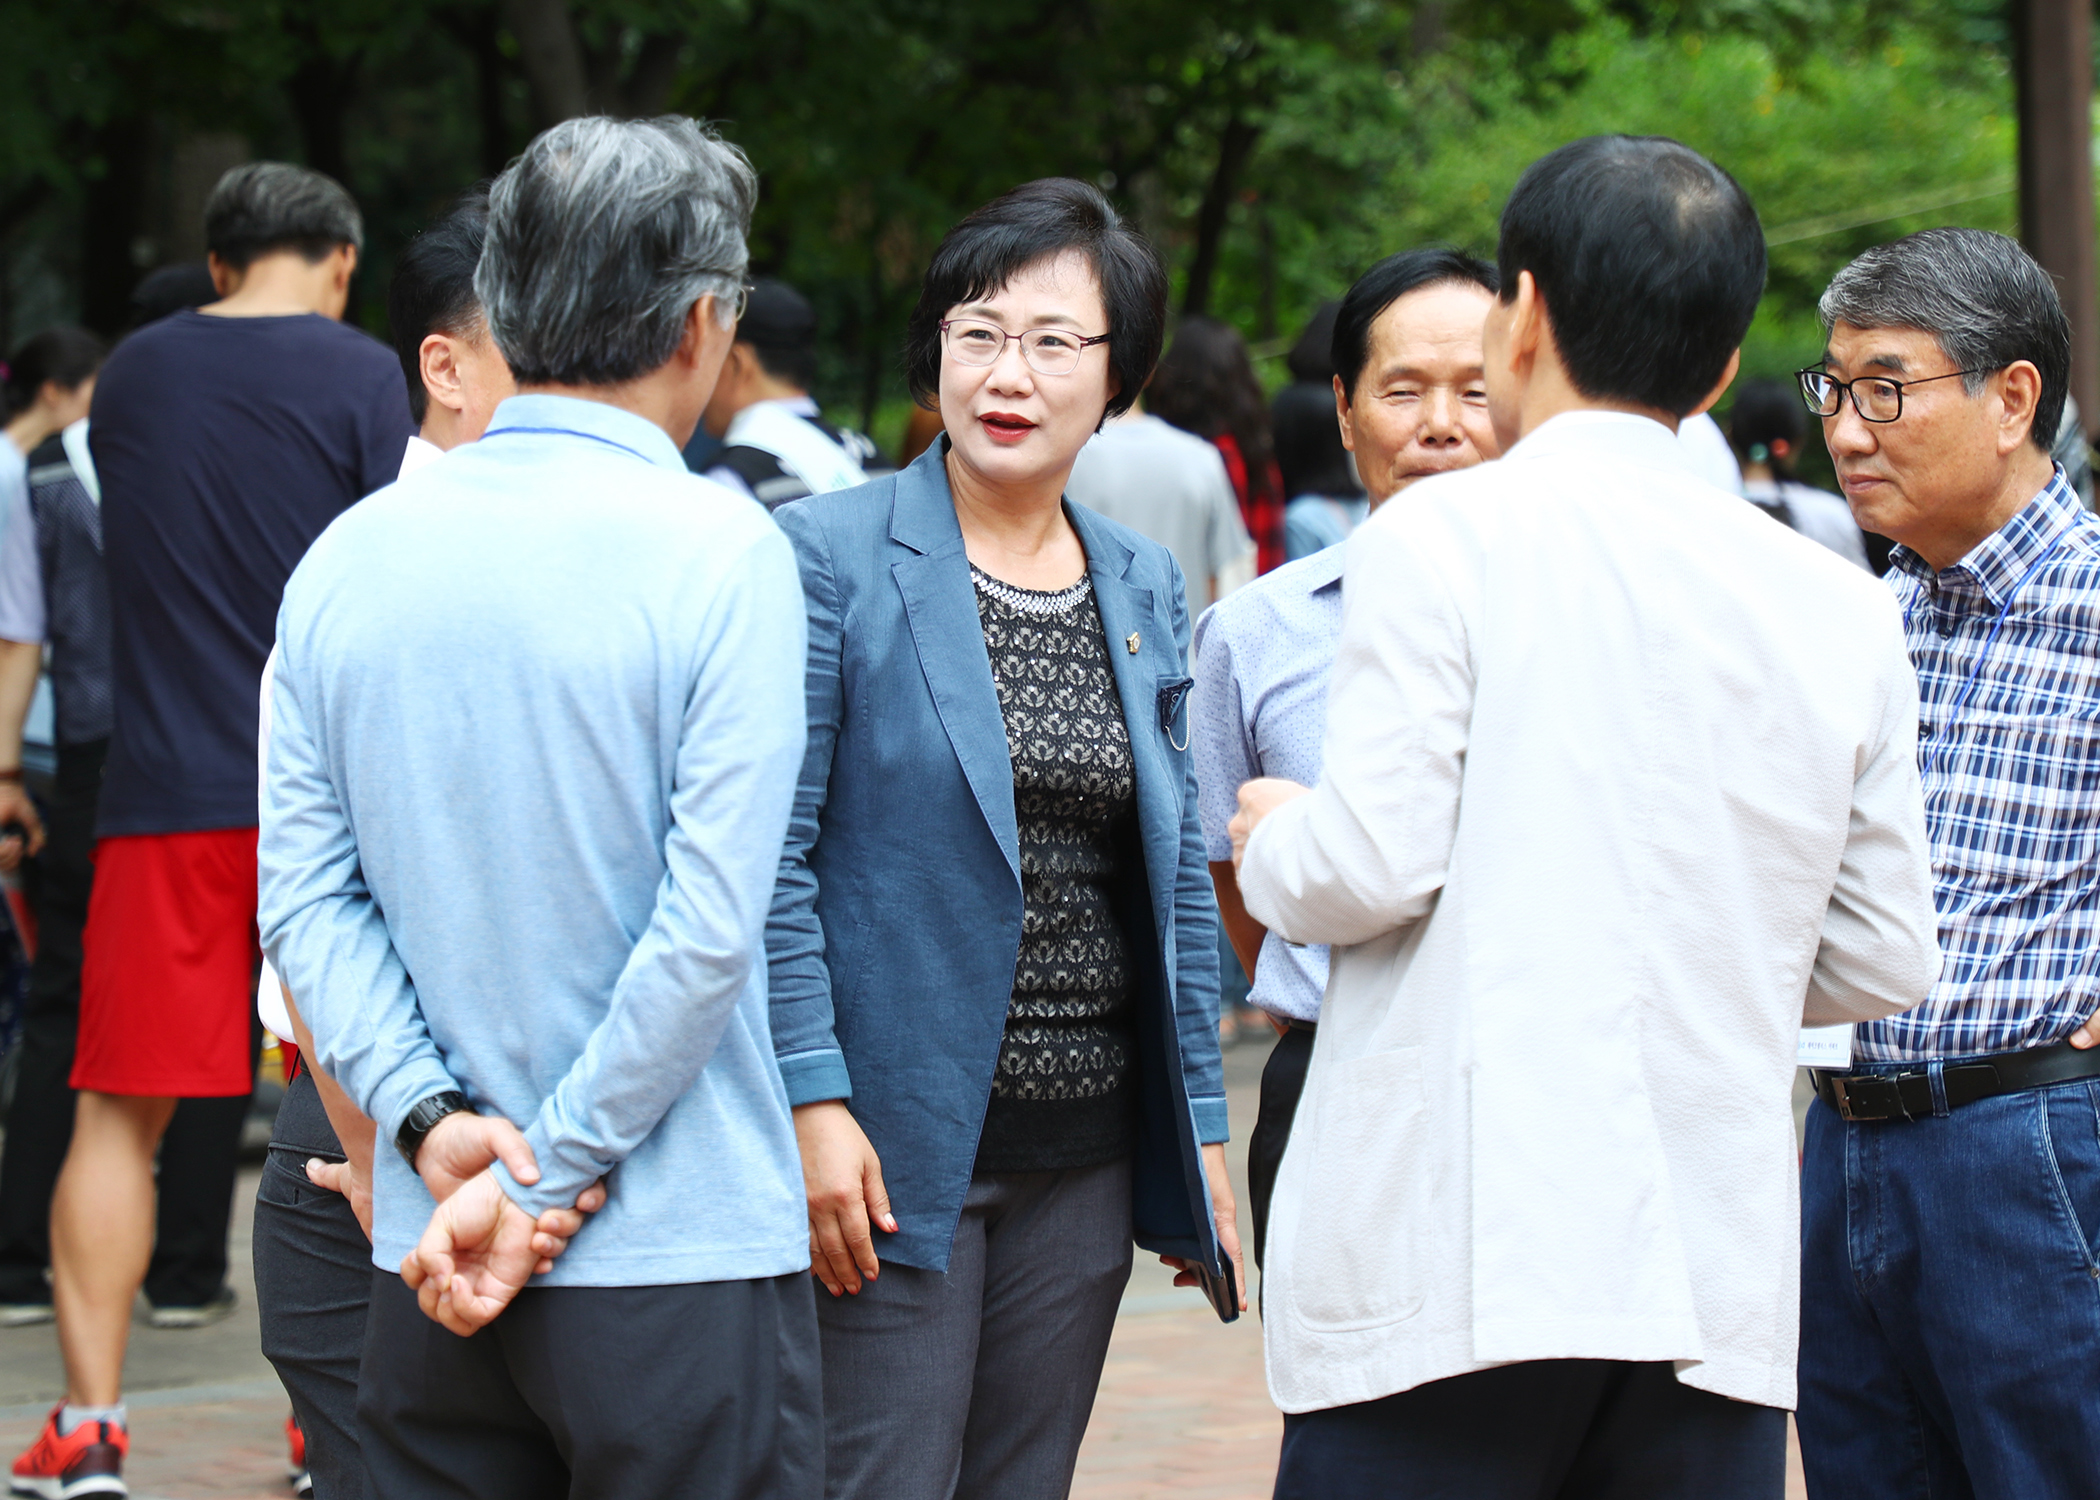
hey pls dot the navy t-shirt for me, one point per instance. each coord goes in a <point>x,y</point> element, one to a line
<point>224,447</point>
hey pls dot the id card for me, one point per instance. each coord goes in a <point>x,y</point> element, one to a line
<point>1825,1047</point>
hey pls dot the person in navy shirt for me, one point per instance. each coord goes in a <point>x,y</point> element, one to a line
<point>225,440</point>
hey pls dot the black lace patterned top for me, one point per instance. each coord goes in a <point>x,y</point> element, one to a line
<point>1062,1095</point>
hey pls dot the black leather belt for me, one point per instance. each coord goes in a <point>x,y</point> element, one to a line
<point>1908,1096</point>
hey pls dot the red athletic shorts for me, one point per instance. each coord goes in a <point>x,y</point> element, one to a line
<point>167,986</point>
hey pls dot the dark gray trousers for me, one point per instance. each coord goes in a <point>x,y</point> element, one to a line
<point>313,1276</point>
<point>704,1391</point>
<point>977,1384</point>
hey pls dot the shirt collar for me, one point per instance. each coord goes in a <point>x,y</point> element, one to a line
<point>1622,435</point>
<point>2002,559</point>
<point>573,416</point>
<point>1325,568</point>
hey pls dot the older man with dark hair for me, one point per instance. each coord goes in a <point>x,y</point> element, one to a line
<point>537,724</point>
<point>1951,1186</point>
<point>1617,787</point>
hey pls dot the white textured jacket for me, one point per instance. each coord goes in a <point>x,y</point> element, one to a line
<point>1620,787</point>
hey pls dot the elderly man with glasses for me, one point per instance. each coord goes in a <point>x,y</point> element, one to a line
<point>1950,1319</point>
<point>537,721</point>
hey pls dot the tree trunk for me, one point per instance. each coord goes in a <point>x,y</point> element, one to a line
<point>476,32</point>
<point>2053,50</point>
<point>111,222</point>
<point>552,57</point>
<point>1235,145</point>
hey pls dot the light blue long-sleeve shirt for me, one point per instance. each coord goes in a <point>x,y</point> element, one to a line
<point>537,722</point>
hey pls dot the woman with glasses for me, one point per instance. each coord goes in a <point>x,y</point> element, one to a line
<point>993,945</point>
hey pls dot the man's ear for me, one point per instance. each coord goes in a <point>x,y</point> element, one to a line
<point>2019,394</point>
<point>438,361</point>
<point>1527,319</point>
<point>1735,362</point>
<point>1342,416</point>
<point>225,280</point>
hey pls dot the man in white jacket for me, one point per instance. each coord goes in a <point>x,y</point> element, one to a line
<point>1619,789</point>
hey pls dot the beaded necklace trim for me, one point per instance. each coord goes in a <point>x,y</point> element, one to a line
<point>1041,603</point>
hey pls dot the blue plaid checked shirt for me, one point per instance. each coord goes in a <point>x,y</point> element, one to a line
<point>2012,784</point>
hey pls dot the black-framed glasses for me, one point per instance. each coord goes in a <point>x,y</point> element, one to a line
<point>1049,351</point>
<point>1875,397</point>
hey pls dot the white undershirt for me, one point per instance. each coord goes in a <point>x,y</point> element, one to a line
<point>269,994</point>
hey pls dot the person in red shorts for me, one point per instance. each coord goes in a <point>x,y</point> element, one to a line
<point>226,439</point>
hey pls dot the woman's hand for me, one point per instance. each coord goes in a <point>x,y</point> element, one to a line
<point>1225,1214</point>
<point>843,1180</point>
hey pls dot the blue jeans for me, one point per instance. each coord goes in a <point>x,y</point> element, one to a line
<point>1950,1301</point>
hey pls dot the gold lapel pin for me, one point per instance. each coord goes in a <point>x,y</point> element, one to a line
<point>1131,640</point>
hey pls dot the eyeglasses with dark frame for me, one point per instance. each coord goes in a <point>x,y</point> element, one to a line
<point>1048,351</point>
<point>1875,397</point>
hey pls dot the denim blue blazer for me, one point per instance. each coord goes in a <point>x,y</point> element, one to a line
<point>896,922</point>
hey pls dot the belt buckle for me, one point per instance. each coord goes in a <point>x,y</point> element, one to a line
<point>1844,1100</point>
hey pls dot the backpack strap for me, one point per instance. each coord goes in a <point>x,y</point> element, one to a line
<point>761,470</point>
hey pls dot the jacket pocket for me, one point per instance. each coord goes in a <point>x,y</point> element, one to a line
<point>1358,1254</point>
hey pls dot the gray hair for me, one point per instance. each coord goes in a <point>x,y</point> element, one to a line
<point>601,238</point>
<point>266,206</point>
<point>1978,294</point>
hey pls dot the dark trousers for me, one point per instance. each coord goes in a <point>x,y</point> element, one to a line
<point>1282,1085</point>
<point>1950,1301</point>
<point>199,1155</point>
<point>1564,1429</point>
<point>705,1391</point>
<point>313,1281</point>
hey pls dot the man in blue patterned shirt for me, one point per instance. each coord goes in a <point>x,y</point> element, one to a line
<point>1950,1320</point>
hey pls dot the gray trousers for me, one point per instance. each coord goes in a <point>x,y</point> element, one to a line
<point>977,1384</point>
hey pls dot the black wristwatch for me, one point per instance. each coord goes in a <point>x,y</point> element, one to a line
<point>423,1119</point>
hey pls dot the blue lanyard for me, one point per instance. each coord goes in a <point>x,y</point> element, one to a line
<point>1961,698</point>
<point>570,432</point>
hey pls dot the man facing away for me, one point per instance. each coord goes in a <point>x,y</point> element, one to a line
<point>776,445</point>
<point>224,440</point>
<point>537,725</point>
<point>1410,399</point>
<point>313,1251</point>
<point>1618,786</point>
<point>1950,1307</point>
<point>1173,487</point>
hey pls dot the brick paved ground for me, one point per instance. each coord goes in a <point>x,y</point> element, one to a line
<point>1183,1412</point>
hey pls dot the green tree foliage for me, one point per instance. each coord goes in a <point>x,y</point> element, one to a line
<point>1272,148</point>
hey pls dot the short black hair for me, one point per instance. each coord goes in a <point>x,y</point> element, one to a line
<point>66,356</point>
<point>1308,443</point>
<point>1650,262</point>
<point>1012,232</point>
<point>1767,412</point>
<point>171,289</point>
<point>1386,283</point>
<point>433,289</point>
<point>781,328</point>
<point>267,206</point>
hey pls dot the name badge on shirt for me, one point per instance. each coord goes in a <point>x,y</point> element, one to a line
<point>1825,1047</point>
